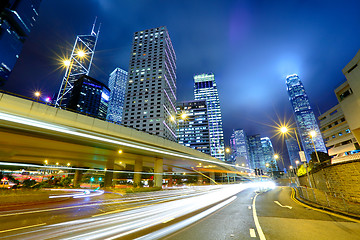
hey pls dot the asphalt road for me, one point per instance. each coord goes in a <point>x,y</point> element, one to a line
<point>288,221</point>
<point>214,212</point>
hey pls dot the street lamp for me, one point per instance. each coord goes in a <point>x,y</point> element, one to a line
<point>312,135</point>
<point>37,95</point>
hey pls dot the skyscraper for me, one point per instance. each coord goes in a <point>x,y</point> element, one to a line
<point>117,85</point>
<point>151,87</point>
<point>90,97</point>
<point>304,116</point>
<point>205,89</point>
<point>17,17</point>
<point>256,152</point>
<point>293,150</point>
<point>268,155</point>
<point>240,148</point>
<point>79,64</point>
<point>193,128</point>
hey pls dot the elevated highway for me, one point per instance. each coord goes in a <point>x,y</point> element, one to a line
<point>32,132</point>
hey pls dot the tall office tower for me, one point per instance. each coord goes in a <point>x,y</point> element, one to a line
<point>256,152</point>
<point>205,89</point>
<point>151,88</point>
<point>304,116</point>
<point>240,148</point>
<point>268,153</point>
<point>90,97</point>
<point>117,85</point>
<point>79,64</point>
<point>293,150</point>
<point>193,128</point>
<point>17,17</point>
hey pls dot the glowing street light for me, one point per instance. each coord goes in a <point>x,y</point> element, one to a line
<point>312,133</point>
<point>227,150</point>
<point>46,161</point>
<point>81,53</point>
<point>66,63</point>
<point>276,156</point>
<point>120,151</point>
<point>183,116</point>
<point>172,118</point>
<point>284,129</point>
<point>68,164</point>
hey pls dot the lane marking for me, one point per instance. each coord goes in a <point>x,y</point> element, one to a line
<point>282,205</point>
<point>256,220</point>
<point>166,221</point>
<point>320,210</point>
<point>252,233</point>
<point>14,229</point>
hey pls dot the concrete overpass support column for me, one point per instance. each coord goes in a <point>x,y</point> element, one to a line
<point>77,178</point>
<point>170,183</point>
<point>158,168</point>
<point>109,174</point>
<point>200,179</point>
<point>137,169</point>
<point>212,176</point>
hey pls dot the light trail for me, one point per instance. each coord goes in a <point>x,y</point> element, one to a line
<point>123,224</point>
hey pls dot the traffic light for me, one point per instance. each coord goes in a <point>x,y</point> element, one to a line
<point>92,179</point>
<point>100,179</point>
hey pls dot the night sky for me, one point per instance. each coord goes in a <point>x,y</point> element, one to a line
<point>250,46</point>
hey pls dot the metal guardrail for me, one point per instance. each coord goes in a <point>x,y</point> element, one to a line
<point>329,200</point>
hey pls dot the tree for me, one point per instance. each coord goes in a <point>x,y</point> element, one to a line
<point>322,157</point>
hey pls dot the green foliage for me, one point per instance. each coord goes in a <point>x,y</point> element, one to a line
<point>322,157</point>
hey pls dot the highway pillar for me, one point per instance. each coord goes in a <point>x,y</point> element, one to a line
<point>158,170</point>
<point>109,174</point>
<point>212,176</point>
<point>77,178</point>
<point>170,182</point>
<point>137,175</point>
<point>200,179</point>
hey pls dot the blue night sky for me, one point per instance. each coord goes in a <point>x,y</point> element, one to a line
<point>250,46</point>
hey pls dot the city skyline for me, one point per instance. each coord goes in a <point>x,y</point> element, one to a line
<point>44,76</point>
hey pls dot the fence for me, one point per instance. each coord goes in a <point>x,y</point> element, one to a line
<point>329,200</point>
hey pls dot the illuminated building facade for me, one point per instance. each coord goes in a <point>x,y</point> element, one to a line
<point>193,128</point>
<point>17,18</point>
<point>240,148</point>
<point>205,89</point>
<point>293,150</point>
<point>268,155</point>
<point>256,152</point>
<point>150,100</point>
<point>89,97</point>
<point>79,64</point>
<point>117,85</point>
<point>304,116</point>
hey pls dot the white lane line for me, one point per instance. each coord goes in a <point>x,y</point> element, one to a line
<point>249,207</point>
<point>252,233</point>
<point>289,207</point>
<point>256,220</point>
<point>14,229</point>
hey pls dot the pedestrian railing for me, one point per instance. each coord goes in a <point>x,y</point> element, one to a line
<point>329,200</point>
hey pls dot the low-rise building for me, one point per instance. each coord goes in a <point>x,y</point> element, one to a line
<point>336,132</point>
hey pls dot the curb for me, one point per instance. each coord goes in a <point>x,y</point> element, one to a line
<point>317,207</point>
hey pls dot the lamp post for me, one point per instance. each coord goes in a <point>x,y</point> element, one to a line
<point>37,95</point>
<point>284,130</point>
<point>312,135</point>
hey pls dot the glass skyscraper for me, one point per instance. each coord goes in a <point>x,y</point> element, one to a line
<point>205,89</point>
<point>304,116</point>
<point>193,128</point>
<point>293,150</point>
<point>89,97</point>
<point>117,85</point>
<point>17,17</point>
<point>256,152</point>
<point>150,100</point>
<point>268,155</point>
<point>79,64</point>
<point>240,148</point>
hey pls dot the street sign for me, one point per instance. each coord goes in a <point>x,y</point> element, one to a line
<point>302,156</point>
